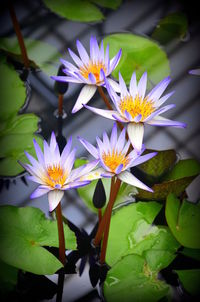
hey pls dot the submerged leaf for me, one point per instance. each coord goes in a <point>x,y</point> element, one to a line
<point>184,221</point>
<point>138,54</point>
<point>23,234</point>
<point>173,26</point>
<point>41,55</point>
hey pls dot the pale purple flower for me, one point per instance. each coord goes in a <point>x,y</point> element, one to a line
<point>89,70</point>
<point>136,109</point>
<point>195,71</point>
<point>114,158</point>
<point>53,171</point>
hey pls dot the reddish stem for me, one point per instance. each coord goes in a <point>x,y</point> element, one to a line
<point>19,35</point>
<point>60,234</point>
<point>60,104</point>
<point>99,215</point>
<point>113,194</point>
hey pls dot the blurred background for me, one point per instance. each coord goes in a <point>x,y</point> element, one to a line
<point>138,17</point>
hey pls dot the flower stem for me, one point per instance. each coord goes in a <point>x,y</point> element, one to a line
<point>60,234</point>
<point>60,104</point>
<point>61,238</point>
<point>19,35</point>
<point>113,194</point>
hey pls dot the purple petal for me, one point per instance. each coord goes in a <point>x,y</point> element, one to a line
<point>68,65</point>
<point>138,118</point>
<point>142,159</point>
<point>85,95</point>
<point>107,60</point>
<point>115,61</point>
<point>116,116</point>
<point>76,184</point>
<point>102,52</point>
<point>82,52</point>
<point>91,149</point>
<point>75,58</point>
<point>142,85</point>
<point>162,122</point>
<point>94,50</point>
<point>66,151</point>
<point>41,190</point>
<point>119,169</point>
<point>121,140</point>
<point>38,152</point>
<point>162,100</point>
<point>159,111</point>
<point>92,78</point>
<point>158,90</point>
<point>102,112</point>
<point>113,138</point>
<point>132,180</point>
<point>128,115</point>
<point>124,91</point>
<point>65,79</point>
<point>133,86</point>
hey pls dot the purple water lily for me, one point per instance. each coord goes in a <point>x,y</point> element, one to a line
<point>136,109</point>
<point>53,171</point>
<point>114,160</point>
<point>89,70</point>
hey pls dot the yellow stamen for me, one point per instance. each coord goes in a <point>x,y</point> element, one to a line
<point>93,68</point>
<point>114,159</point>
<point>55,176</point>
<point>137,106</point>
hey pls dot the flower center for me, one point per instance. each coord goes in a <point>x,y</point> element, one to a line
<point>93,68</point>
<point>114,159</point>
<point>55,175</point>
<point>137,106</point>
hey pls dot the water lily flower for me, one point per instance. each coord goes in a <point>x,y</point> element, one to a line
<point>195,71</point>
<point>53,171</point>
<point>137,109</point>
<point>89,70</point>
<point>114,160</point>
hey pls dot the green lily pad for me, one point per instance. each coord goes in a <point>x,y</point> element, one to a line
<point>23,234</point>
<point>192,253</point>
<point>139,54</point>
<point>184,168</point>
<point>131,279</point>
<point>159,164</point>
<point>190,280</point>
<point>8,277</point>
<point>41,55</point>
<point>162,190</point>
<point>175,181</point>
<point>131,231</point>
<point>173,26</point>
<point>83,11</point>
<point>86,193</point>
<point>184,221</point>
<point>12,92</point>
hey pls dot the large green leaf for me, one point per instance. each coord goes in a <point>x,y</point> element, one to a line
<point>131,279</point>
<point>173,26</point>
<point>175,181</point>
<point>131,231</point>
<point>162,190</point>
<point>190,280</point>
<point>184,221</point>
<point>23,234</point>
<point>139,54</point>
<point>79,10</point>
<point>41,55</point>
<point>8,277</point>
<point>184,168</point>
<point>12,92</point>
